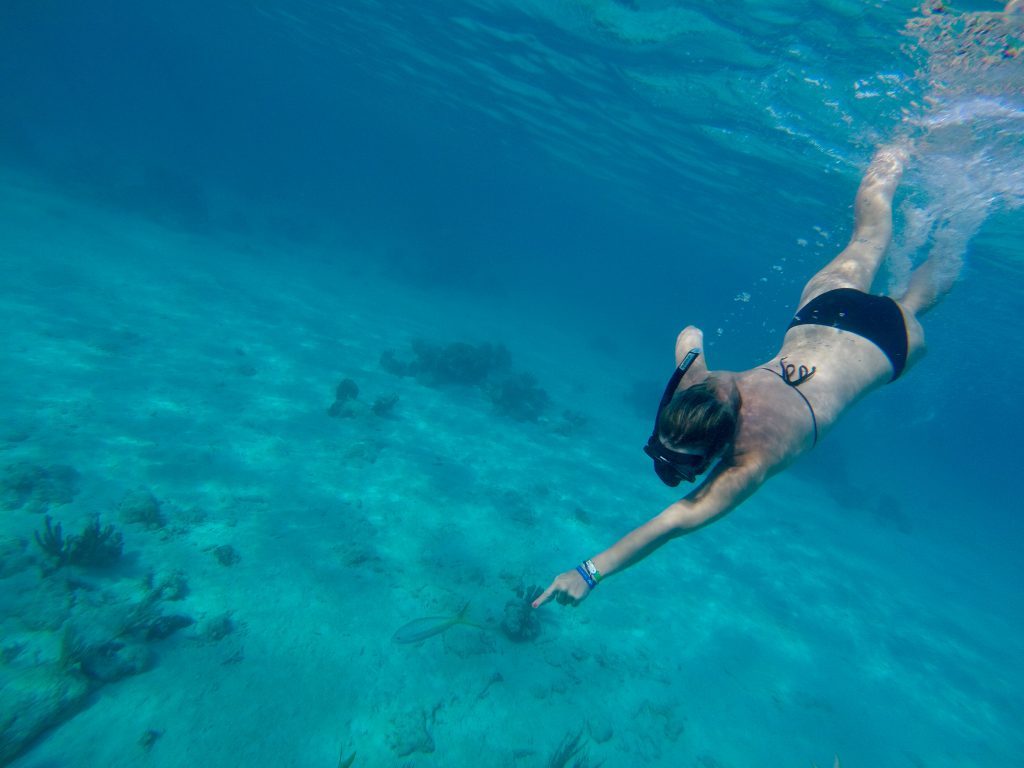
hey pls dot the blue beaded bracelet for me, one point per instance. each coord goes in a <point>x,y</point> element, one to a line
<point>586,576</point>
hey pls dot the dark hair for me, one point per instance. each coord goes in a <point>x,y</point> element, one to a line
<point>698,415</point>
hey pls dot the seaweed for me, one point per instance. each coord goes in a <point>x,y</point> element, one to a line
<point>52,541</point>
<point>94,547</point>
<point>572,747</point>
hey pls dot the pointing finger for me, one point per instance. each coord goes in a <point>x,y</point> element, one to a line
<point>544,597</point>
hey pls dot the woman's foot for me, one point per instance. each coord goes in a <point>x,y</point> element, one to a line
<point>887,165</point>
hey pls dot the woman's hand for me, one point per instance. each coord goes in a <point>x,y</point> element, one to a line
<point>568,588</point>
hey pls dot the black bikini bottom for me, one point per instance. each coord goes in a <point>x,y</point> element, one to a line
<point>877,318</point>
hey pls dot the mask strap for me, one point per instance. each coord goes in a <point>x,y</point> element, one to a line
<point>673,382</point>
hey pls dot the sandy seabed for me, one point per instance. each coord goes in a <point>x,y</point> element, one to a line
<point>198,372</point>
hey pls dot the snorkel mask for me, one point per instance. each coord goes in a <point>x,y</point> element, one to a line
<point>675,466</point>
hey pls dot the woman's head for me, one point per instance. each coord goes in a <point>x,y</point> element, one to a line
<point>701,418</point>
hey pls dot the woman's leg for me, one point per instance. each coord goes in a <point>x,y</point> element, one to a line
<point>856,266</point>
<point>928,284</point>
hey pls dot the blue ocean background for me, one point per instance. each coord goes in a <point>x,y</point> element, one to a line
<point>214,215</point>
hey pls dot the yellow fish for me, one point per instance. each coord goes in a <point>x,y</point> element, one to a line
<point>421,629</point>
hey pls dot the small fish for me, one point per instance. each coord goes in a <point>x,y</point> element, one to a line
<point>421,629</point>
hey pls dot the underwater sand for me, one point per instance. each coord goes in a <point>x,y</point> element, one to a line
<point>202,370</point>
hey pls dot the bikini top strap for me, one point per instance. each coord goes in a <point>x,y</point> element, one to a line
<point>803,375</point>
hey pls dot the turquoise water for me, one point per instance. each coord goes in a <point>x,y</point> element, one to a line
<point>227,232</point>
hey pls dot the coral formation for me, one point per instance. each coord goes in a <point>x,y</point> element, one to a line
<point>409,734</point>
<point>519,397</point>
<point>390,363</point>
<point>166,586</point>
<point>888,510</point>
<point>67,637</point>
<point>513,504</point>
<point>226,555</point>
<point>142,507</point>
<point>115,661</point>
<point>148,739</point>
<point>164,626</point>
<point>581,515</point>
<point>218,627</point>
<point>14,557</point>
<point>95,547</point>
<point>34,700</point>
<point>364,450</point>
<point>600,730</point>
<point>515,395</point>
<point>519,622</point>
<point>14,432</point>
<point>570,423</point>
<point>346,391</point>
<point>37,487</point>
<point>457,363</point>
<point>384,405</point>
